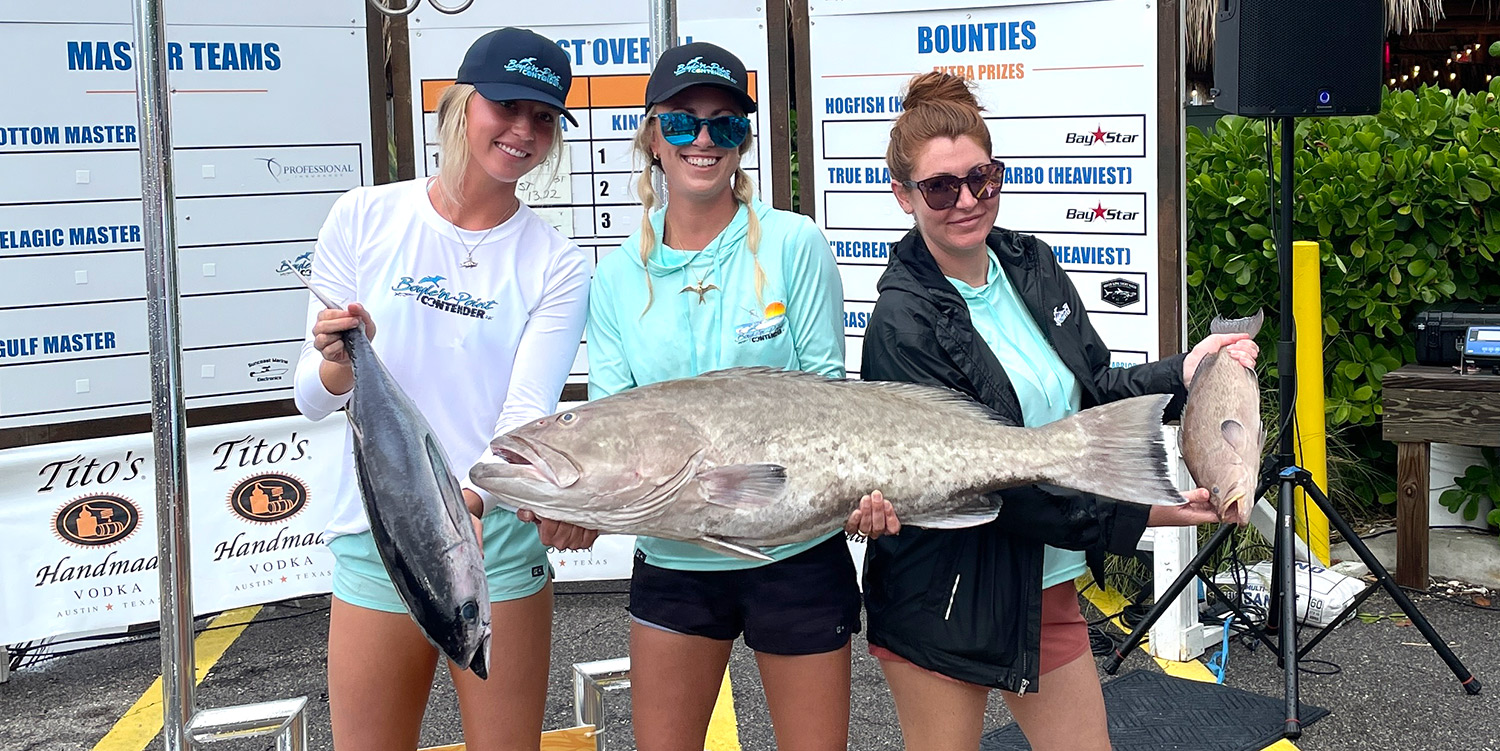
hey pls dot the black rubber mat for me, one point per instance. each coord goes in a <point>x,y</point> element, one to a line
<point>1156,712</point>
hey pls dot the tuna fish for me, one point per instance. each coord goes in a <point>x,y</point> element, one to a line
<point>422,529</point>
<point>1222,434</point>
<point>751,457</point>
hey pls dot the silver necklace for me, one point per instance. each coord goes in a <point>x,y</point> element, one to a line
<point>469,261</point>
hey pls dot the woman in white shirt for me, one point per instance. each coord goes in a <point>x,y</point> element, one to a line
<point>481,306</point>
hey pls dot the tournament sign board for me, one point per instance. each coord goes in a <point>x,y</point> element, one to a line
<point>271,123</point>
<point>589,193</point>
<point>1070,93</point>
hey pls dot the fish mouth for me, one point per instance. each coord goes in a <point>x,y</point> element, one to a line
<point>554,466</point>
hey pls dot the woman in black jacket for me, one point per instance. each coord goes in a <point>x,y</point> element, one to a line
<point>988,312</point>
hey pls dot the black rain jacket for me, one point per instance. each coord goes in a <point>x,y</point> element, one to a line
<point>967,602</point>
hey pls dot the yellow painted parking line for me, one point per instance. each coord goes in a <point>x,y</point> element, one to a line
<point>142,722</point>
<point>723,726</point>
<point>1110,601</point>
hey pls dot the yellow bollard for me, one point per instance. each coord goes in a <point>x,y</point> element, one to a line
<point>1310,438</point>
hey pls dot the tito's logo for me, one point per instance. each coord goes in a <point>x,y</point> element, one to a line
<point>96,520</point>
<point>268,498</point>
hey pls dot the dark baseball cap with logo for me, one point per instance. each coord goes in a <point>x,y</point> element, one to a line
<point>513,64</point>
<point>698,64</point>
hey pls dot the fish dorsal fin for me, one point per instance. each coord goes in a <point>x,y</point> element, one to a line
<point>1234,433</point>
<point>453,500</point>
<point>744,485</point>
<point>1248,325</point>
<point>935,397</point>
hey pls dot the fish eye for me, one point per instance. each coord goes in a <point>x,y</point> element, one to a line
<point>567,418</point>
<point>470,611</point>
<point>1214,490</point>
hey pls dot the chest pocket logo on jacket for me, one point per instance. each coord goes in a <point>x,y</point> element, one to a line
<point>772,325</point>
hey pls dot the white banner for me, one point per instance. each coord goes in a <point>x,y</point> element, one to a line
<point>78,521</point>
<point>1070,97</point>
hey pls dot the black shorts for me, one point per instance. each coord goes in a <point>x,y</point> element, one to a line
<point>806,604</point>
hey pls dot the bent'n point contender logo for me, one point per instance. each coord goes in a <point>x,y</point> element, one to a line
<point>268,498</point>
<point>96,520</point>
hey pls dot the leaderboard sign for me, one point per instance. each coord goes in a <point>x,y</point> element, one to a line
<point>590,194</point>
<point>270,111</point>
<point>1070,95</point>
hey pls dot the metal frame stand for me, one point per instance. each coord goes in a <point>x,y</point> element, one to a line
<point>181,729</point>
<point>1281,619</point>
<point>591,680</point>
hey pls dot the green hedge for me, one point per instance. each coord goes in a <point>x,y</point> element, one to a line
<point>1404,208</point>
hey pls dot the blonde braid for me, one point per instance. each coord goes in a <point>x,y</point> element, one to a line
<point>646,189</point>
<point>744,192</point>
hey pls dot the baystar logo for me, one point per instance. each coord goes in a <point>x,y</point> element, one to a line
<point>300,265</point>
<point>1100,135</point>
<point>1101,214</point>
<point>268,498</point>
<point>528,67</point>
<point>696,65</point>
<point>96,520</point>
<point>284,172</point>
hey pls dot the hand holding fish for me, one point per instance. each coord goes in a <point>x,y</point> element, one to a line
<point>1199,509</point>
<point>1240,347</point>
<point>560,535</point>
<point>332,322</point>
<point>874,517</point>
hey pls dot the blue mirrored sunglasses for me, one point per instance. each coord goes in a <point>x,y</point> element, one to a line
<point>681,128</point>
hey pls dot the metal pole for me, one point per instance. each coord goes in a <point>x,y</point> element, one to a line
<point>663,38</point>
<point>168,424</point>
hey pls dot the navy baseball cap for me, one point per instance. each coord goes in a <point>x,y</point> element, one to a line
<point>518,64</point>
<point>698,64</point>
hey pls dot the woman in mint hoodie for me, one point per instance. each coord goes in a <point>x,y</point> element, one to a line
<point>718,279</point>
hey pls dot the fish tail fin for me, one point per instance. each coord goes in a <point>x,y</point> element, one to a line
<point>1119,452</point>
<point>321,297</point>
<point>1247,325</point>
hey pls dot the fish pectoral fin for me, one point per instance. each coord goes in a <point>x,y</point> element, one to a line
<point>743,485</point>
<point>1234,433</point>
<point>959,519</point>
<point>721,545</point>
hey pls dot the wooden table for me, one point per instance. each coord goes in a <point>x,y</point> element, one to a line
<point>1425,405</point>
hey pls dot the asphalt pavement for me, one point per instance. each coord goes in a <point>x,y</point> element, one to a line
<point>1384,686</point>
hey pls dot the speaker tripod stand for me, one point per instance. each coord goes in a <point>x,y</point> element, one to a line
<point>1281,616</point>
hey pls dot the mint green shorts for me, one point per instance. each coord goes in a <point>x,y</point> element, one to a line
<point>515,563</point>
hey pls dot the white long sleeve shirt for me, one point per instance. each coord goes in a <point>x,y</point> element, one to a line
<point>479,350</point>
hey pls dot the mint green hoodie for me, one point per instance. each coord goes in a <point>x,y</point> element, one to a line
<point>796,324</point>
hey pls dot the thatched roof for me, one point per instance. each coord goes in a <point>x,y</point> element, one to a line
<point>1401,17</point>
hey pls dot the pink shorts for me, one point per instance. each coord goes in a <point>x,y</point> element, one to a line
<point>1065,634</point>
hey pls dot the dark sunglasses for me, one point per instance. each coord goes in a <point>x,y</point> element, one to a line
<point>681,128</point>
<point>942,192</point>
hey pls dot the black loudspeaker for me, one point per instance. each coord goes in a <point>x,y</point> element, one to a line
<point>1299,57</point>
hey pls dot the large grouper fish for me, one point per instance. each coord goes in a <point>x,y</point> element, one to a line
<point>743,458</point>
<point>422,528</point>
